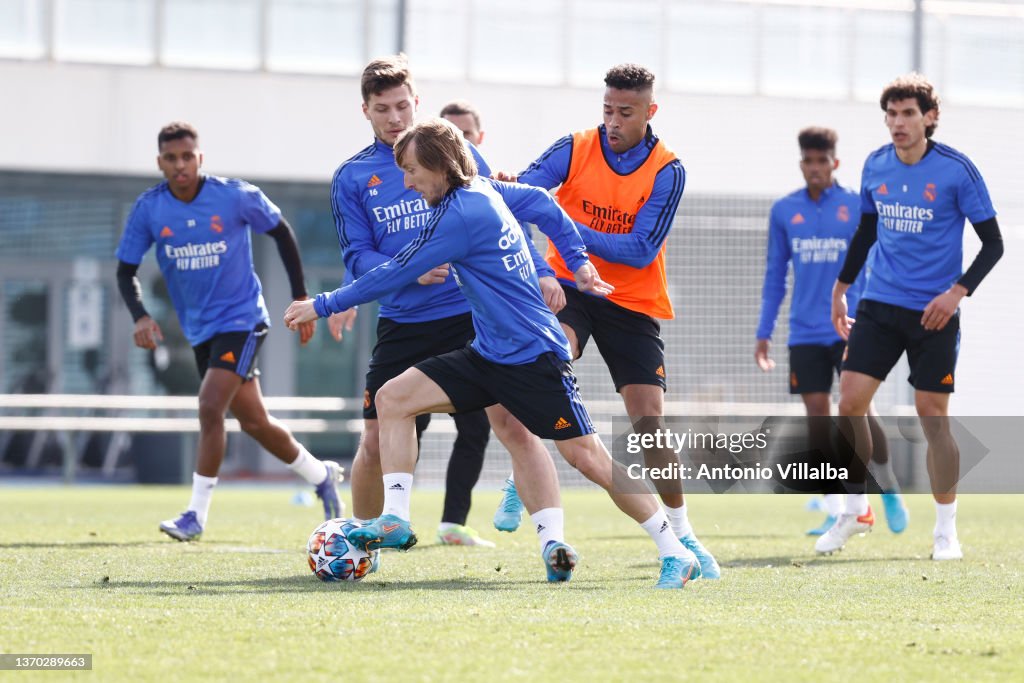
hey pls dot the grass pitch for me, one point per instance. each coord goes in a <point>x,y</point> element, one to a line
<point>84,570</point>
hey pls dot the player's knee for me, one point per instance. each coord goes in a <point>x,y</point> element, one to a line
<point>852,406</point>
<point>211,414</point>
<point>254,425</point>
<point>585,460</point>
<point>390,400</point>
<point>513,434</point>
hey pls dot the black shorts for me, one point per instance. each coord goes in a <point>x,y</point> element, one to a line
<point>542,395</point>
<point>234,351</point>
<point>812,367</point>
<point>402,345</point>
<point>883,332</point>
<point>629,342</point>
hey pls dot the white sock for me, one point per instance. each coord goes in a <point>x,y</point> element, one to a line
<point>308,467</point>
<point>856,504</point>
<point>884,475</point>
<point>202,494</point>
<point>834,504</point>
<point>446,526</point>
<point>680,522</point>
<point>397,492</point>
<point>945,519</point>
<point>511,478</point>
<point>550,524</point>
<point>664,536</point>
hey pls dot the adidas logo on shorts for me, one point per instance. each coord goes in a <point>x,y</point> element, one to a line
<point>562,423</point>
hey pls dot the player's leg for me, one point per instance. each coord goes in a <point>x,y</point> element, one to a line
<point>464,467</point>
<point>544,396</point>
<point>216,361</point>
<point>811,371</point>
<point>398,403</point>
<point>856,390</point>
<point>575,322</point>
<point>932,356</point>
<point>537,477</point>
<point>365,476</point>
<point>876,343</point>
<point>395,351</point>
<point>276,438</point>
<point>897,516</point>
<point>631,346</point>
<point>943,471</point>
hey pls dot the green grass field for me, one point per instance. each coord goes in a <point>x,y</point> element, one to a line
<point>84,570</point>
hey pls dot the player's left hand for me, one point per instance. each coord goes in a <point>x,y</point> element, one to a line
<point>588,280</point>
<point>943,307</point>
<point>300,313</point>
<point>435,276</point>
<point>554,295</point>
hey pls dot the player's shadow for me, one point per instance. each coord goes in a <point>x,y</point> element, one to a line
<point>77,545</point>
<point>801,561</point>
<point>306,583</point>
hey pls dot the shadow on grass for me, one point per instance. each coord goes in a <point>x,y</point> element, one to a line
<point>306,583</point>
<point>799,562</point>
<point>79,545</point>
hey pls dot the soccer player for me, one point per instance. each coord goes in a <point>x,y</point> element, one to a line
<point>466,118</point>
<point>202,227</point>
<point>376,217</point>
<point>915,195</point>
<point>622,186</point>
<point>519,357</point>
<point>812,228</point>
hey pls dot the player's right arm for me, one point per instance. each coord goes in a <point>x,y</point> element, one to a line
<point>435,244</point>
<point>135,242</point>
<point>773,291</point>
<point>550,169</point>
<point>355,234</point>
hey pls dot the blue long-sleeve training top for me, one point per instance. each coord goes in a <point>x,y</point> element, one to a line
<point>813,236</point>
<point>473,229</point>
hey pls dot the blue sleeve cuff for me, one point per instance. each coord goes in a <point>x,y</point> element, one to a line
<point>320,305</point>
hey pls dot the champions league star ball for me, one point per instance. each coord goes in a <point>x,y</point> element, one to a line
<point>333,558</point>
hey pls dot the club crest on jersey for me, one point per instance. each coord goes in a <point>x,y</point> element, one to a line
<point>929,192</point>
<point>843,213</point>
<point>216,224</point>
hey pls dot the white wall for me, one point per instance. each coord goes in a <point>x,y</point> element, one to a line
<point>89,118</point>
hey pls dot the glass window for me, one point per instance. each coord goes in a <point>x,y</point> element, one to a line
<point>104,31</point>
<point>882,44</point>
<point>598,41</point>
<point>85,363</point>
<point>22,32</point>
<point>984,60</point>
<point>436,38</point>
<point>25,344</point>
<point>521,42</point>
<point>382,35</point>
<point>805,52</point>
<point>713,48</point>
<point>220,34</point>
<point>316,35</point>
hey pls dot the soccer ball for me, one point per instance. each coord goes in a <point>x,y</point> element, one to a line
<point>332,557</point>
